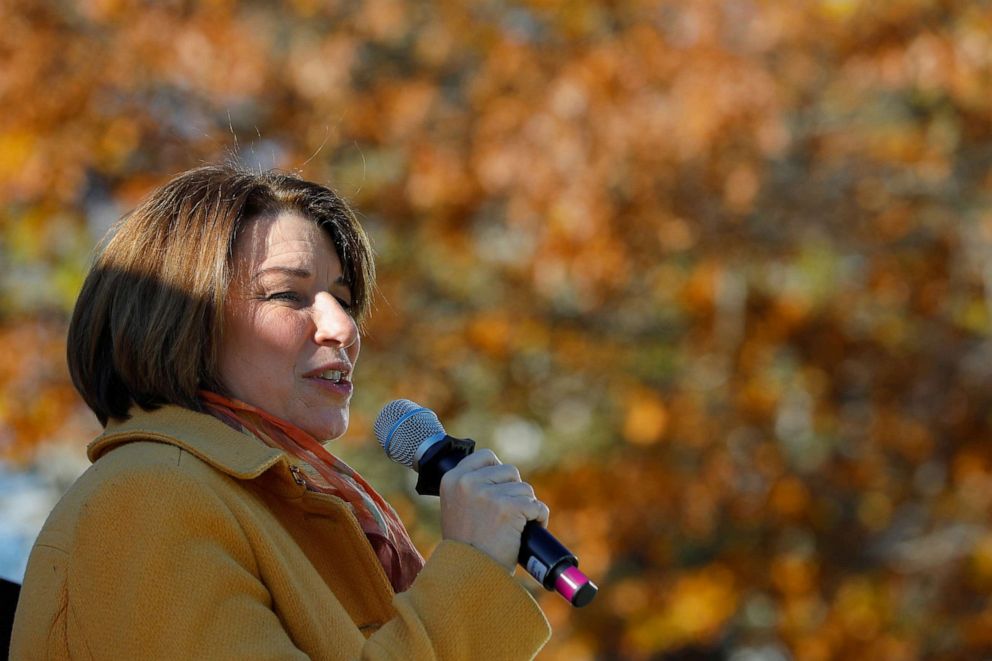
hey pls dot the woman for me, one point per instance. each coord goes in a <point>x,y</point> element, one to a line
<point>216,339</point>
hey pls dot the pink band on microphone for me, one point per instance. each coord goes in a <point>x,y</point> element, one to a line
<point>569,581</point>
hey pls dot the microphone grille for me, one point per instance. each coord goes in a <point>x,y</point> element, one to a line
<point>402,426</point>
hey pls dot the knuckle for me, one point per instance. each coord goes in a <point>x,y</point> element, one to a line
<point>509,473</point>
<point>489,456</point>
<point>452,484</point>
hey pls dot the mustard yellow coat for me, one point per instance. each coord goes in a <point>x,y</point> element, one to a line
<point>188,540</point>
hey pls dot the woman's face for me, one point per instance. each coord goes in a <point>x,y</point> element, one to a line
<point>289,344</point>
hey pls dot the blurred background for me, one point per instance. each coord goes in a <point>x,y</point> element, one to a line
<point>716,275</point>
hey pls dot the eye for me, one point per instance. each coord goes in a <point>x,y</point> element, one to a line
<point>344,303</point>
<point>290,296</point>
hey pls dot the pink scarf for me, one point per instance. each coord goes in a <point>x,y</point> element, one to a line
<point>328,474</point>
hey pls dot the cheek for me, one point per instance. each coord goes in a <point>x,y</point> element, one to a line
<point>259,342</point>
<point>278,331</point>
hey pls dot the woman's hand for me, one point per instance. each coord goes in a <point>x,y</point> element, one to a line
<point>484,503</point>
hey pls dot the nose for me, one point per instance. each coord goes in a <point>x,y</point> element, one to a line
<point>333,325</point>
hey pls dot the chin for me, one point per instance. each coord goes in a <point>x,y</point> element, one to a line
<point>329,431</point>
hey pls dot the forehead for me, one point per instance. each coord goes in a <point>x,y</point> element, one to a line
<point>286,237</point>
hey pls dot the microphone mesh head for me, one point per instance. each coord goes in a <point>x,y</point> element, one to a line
<point>402,426</point>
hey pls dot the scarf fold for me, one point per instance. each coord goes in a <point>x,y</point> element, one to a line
<point>325,473</point>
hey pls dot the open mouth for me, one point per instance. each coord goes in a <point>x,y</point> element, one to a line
<point>334,376</point>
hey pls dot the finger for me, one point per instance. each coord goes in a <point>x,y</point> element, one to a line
<point>534,510</point>
<point>513,490</point>
<point>545,516</point>
<point>476,460</point>
<point>495,474</point>
<point>489,482</point>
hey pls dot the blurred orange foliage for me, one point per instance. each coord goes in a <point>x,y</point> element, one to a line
<point>722,267</point>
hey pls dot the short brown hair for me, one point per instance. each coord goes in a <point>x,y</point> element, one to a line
<point>148,321</point>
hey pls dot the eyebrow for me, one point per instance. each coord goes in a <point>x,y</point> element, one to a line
<point>285,270</point>
<point>296,273</point>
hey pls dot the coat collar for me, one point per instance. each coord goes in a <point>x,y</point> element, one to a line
<point>202,435</point>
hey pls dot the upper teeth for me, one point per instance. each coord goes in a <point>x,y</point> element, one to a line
<point>332,375</point>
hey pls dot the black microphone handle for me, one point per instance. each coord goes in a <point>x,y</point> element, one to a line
<point>543,556</point>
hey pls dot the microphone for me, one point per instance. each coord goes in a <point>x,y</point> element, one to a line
<point>413,436</point>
